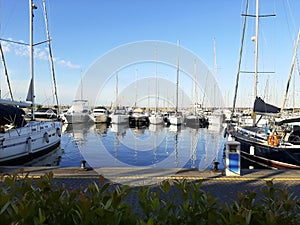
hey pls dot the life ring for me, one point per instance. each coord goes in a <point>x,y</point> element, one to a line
<point>273,140</point>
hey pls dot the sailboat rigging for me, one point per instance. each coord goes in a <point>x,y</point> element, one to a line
<point>21,140</point>
<point>176,119</point>
<point>156,117</point>
<point>278,143</point>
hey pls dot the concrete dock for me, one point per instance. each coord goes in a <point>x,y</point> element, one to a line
<point>225,188</point>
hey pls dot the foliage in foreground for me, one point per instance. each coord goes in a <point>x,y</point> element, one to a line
<point>40,201</point>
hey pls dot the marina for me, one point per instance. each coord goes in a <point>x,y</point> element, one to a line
<point>157,105</point>
<point>122,114</point>
<point>118,145</point>
<point>103,145</point>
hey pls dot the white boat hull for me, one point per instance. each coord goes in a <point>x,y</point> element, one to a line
<point>34,139</point>
<point>118,119</point>
<point>176,120</point>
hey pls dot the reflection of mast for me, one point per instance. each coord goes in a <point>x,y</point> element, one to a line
<point>155,147</point>
<point>176,149</point>
<point>194,143</point>
<point>116,147</point>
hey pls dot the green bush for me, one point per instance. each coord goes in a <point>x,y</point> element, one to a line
<point>40,201</point>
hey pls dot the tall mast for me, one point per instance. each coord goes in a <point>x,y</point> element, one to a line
<point>116,89</point>
<point>195,87</point>
<point>31,8</point>
<point>50,56</point>
<point>240,62</point>
<point>156,89</point>
<point>215,73</point>
<point>291,72</point>
<point>177,77</point>
<point>6,74</point>
<point>136,87</point>
<point>256,56</point>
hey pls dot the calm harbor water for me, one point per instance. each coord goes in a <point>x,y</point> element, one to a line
<point>154,146</point>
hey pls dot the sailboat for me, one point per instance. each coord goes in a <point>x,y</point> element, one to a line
<point>277,144</point>
<point>195,119</point>
<point>119,114</point>
<point>156,117</point>
<point>176,118</point>
<point>22,140</point>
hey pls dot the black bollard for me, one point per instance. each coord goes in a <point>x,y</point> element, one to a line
<point>83,162</point>
<point>216,164</point>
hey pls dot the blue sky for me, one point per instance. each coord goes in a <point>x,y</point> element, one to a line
<point>82,31</point>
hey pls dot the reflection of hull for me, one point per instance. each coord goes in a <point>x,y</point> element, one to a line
<point>101,128</point>
<point>119,129</point>
<point>156,127</point>
<point>78,131</point>
<point>154,119</point>
<point>78,118</point>
<point>31,141</point>
<point>53,158</point>
<point>174,128</point>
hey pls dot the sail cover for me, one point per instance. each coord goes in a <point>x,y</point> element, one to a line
<point>11,114</point>
<point>261,107</point>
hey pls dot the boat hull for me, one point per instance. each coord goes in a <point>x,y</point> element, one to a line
<point>138,120</point>
<point>175,120</point>
<point>281,157</point>
<point>119,119</point>
<point>24,144</point>
<point>196,121</point>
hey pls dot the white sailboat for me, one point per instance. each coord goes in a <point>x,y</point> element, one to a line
<point>20,140</point>
<point>119,114</point>
<point>156,117</point>
<point>176,118</point>
<point>195,119</point>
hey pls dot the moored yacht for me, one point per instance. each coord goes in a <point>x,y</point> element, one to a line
<point>119,116</point>
<point>79,112</point>
<point>100,114</point>
<point>138,118</point>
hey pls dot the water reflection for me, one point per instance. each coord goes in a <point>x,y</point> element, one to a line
<point>154,146</point>
<point>118,145</point>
